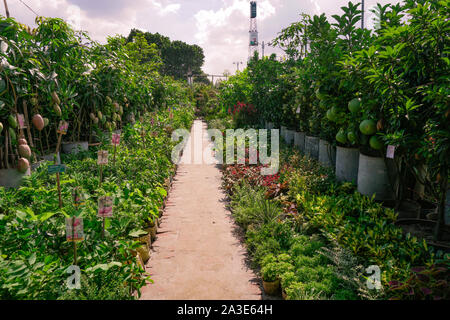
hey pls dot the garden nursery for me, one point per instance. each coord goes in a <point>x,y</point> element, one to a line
<point>93,207</point>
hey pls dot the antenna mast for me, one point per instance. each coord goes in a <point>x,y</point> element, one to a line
<point>254,44</point>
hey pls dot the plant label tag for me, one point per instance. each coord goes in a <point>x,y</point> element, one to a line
<point>78,198</point>
<point>63,127</point>
<point>74,229</point>
<point>21,121</point>
<point>115,139</point>
<point>102,157</point>
<point>298,110</point>
<point>58,168</point>
<point>390,152</point>
<point>105,207</point>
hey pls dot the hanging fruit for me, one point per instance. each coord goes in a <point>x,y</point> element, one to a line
<point>23,165</point>
<point>12,135</point>
<point>38,122</point>
<point>341,136</point>
<point>22,142</point>
<point>1,127</point>
<point>25,151</point>
<point>354,105</point>
<point>46,122</point>
<point>108,100</point>
<point>34,101</point>
<point>376,143</point>
<point>55,98</point>
<point>368,127</point>
<point>57,110</point>
<point>92,116</point>
<point>12,121</point>
<point>116,107</point>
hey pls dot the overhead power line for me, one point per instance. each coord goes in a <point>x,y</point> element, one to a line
<point>29,8</point>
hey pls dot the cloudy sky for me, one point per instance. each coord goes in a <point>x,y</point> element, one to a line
<point>220,27</point>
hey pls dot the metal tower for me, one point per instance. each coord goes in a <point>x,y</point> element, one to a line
<point>254,43</point>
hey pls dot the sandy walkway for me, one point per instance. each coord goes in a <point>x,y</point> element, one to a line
<point>197,254</point>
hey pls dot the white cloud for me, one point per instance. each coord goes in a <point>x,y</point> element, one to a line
<point>220,27</point>
<point>164,10</point>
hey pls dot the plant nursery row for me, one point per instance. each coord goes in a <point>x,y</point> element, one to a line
<point>363,186</point>
<point>373,103</point>
<point>314,237</point>
<point>85,161</point>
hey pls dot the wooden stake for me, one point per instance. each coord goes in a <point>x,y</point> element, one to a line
<point>114,158</point>
<point>101,174</point>
<point>59,143</point>
<point>103,229</point>
<point>59,190</point>
<point>74,242</point>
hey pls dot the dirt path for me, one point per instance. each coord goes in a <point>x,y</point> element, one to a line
<point>198,254</point>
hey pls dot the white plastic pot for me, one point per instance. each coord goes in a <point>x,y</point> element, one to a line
<point>347,164</point>
<point>289,136</point>
<point>312,147</point>
<point>282,132</point>
<point>299,141</point>
<point>327,154</point>
<point>373,178</point>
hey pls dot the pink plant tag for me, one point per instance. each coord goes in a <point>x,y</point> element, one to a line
<point>63,127</point>
<point>74,229</point>
<point>390,152</point>
<point>105,207</point>
<point>115,139</point>
<point>21,120</point>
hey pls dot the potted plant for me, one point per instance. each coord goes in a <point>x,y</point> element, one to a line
<point>271,280</point>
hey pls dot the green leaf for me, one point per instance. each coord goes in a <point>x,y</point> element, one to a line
<point>32,258</point>
<point>136,234</point>
<point>45,216</point>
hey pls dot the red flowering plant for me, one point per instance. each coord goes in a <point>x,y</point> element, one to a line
<point>243,114</point>
<point>425,283</point>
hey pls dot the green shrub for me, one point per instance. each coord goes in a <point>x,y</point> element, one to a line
<point>270,272</point>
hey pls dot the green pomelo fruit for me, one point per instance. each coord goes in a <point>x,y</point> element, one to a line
<point>355,105</point>
<point>376,143</point>
<point>368,127</point>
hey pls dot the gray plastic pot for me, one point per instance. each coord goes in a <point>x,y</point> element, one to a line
<point>299,141</point>
<point>327,154</point>
<point>312,147</point>
<point>347,164</point>
<point>373,178</point>
<point>289,136</point>
<point>11,178</point>
<point>75,147</point>
<point>51,158</point>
